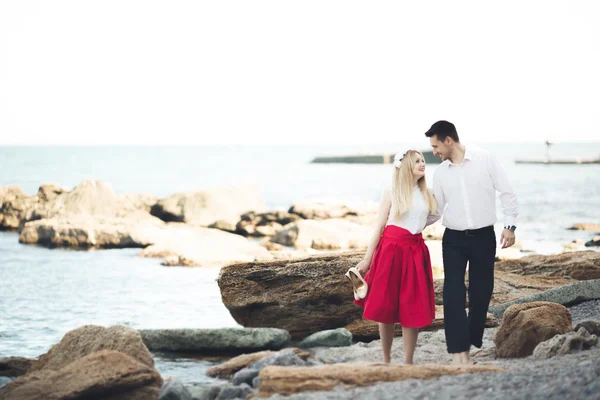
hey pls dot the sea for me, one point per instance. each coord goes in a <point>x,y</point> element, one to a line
<point>44,293</point>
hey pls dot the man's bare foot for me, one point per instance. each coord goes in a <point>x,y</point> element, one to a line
<point>456,358</point>
<point>466,358</point>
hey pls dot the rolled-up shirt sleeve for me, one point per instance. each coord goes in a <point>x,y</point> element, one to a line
<point>508,198</point>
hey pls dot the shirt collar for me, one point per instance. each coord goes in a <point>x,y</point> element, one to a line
<point>468,156</point>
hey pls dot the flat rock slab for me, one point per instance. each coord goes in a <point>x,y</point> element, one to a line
<point>567,295</point>
<point>215,341</point>
<point>290,380</point>
<point>580,265</point>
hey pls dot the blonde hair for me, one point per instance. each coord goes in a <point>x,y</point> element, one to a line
<point>402,186</point>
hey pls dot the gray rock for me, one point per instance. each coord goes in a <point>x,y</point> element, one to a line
<point>15,366</point>
<point>229,391</point>
<point>595,242</point>
<point>216,341</point>
<point>572,293</point>
<point>204,392</point>
<point>173,389</point>
<point>255,382</point>
<point>331,338</point>
<point>284,358</point>
<point>245,375</point>
<point>566,343</point>
<point>592,326</point>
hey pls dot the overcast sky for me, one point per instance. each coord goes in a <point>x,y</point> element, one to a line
<point>307,72</point>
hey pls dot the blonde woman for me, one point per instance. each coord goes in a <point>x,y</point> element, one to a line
<point>399,278</point>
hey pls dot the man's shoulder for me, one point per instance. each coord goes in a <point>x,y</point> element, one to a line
<point>478,152</point>
<point>445,164</point>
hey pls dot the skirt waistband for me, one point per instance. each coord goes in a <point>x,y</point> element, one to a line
<point>398,234</point>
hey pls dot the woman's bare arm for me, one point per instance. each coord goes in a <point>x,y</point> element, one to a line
<point>382,216</point>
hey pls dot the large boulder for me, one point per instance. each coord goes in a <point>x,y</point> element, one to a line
<point>524,326</point>
<point>331,234</point>
<point>215,341</point>
<point>183,245</point>
<point>205,207</point>
<point>311,294</point>
<point>92,197</point>
<point>88,339</point>
<point>580,265</point>
<point>302,296</point>
<point>104,374</point>
<point>84,231</point>
<point>289,380</point>
<point>14,203</point>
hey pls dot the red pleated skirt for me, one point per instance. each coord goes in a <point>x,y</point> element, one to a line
<point>400,281</point>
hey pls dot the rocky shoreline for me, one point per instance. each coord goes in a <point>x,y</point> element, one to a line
<point>115,360</point>
<point>301,332</point>
<point>216,226</point>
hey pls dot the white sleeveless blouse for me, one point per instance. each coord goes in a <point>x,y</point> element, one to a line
<point>415,219</point>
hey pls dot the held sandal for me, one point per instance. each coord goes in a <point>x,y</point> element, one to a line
<point>359,286</point>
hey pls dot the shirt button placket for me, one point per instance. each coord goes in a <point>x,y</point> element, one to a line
<point>463,188</point>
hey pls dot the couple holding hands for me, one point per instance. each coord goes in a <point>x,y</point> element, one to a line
<point>398,282</point>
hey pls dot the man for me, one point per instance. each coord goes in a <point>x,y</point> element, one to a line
<point>465,186</point>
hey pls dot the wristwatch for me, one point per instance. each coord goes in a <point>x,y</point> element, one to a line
<point>511,228</point>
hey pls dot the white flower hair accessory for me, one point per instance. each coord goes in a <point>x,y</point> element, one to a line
<point>399,156</point>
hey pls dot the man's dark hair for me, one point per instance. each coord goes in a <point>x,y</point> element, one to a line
<point>443,129</point>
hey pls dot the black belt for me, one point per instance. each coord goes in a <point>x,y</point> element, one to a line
<point>472,232</point>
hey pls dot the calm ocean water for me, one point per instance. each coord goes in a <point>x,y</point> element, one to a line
<point>44,293</point>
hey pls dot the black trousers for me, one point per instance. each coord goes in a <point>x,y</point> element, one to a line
<point>478,248</point>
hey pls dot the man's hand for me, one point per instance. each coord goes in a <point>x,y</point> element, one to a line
<point>363,267</point>
<point>507,239</point>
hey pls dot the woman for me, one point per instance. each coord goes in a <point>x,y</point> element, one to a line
<point>399,278</point>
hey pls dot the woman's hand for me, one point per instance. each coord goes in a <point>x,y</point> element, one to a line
<point>363,267</point>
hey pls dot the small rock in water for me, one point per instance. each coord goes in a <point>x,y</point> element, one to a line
<point>229,391</point>
<point>283,357</point>
<point>204,392</point>
<point>594,242</point>
<point>173,389</point>
<point>245,375</point>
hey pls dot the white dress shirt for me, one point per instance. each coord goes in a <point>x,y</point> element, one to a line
<point>417,218</point>
<point>466,193</point>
